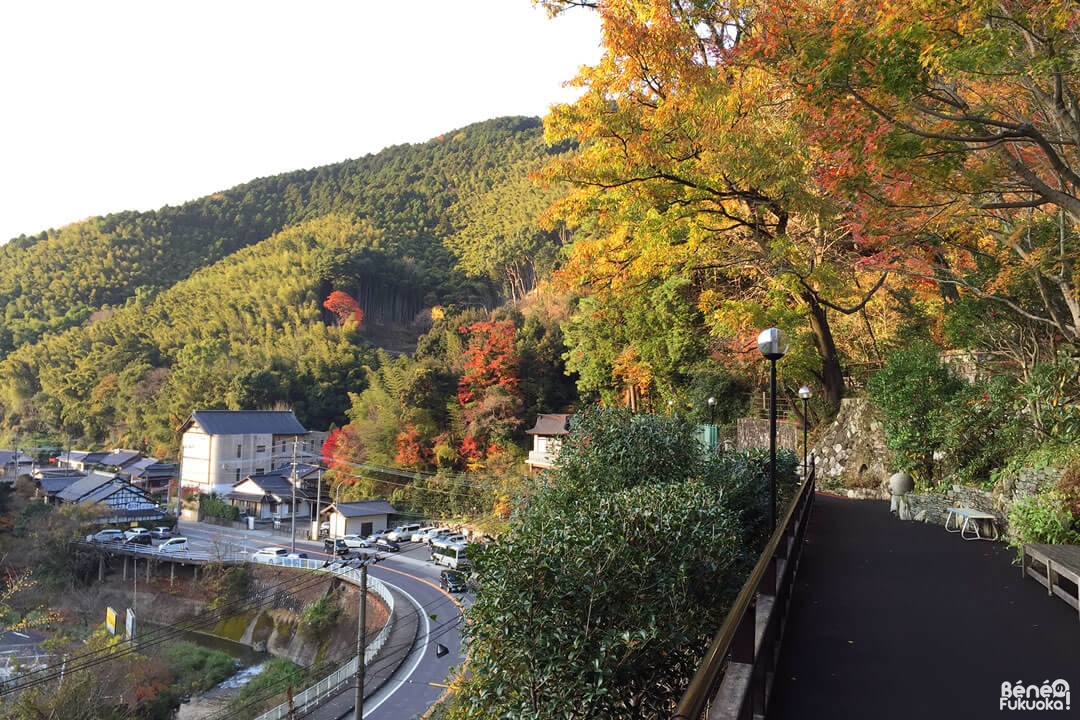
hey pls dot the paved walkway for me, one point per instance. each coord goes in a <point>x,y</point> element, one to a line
<point>895,619</point>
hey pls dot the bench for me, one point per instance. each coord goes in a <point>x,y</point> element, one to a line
<point>1057,561</point>
<point>967,522</point>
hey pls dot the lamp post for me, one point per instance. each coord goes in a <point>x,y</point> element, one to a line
<point>804,393</point>
<point>712,406</point>
<point>773,344</point>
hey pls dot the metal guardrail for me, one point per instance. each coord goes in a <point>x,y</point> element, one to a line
<point>735,677</point>
<point>328,686</point>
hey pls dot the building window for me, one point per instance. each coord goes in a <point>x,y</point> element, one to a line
<point>260,448</point>
<point>239,449</point>
<point>259,471</point>
<point>237,474</point>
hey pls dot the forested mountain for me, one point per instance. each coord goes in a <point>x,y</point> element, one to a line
<point>116,328</point>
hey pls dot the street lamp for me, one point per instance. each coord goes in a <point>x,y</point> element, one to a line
<point>773,344</point>
<point>804,393</point>
<point>712,406</point>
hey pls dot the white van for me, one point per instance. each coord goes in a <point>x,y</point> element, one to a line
<point>402,532</point>
<point>176,544</point>
<point>106,536</point>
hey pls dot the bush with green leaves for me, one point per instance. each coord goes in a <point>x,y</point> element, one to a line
<point>198,668</point>
<point>1042,519</point>
<point>212,506</point>
<point>321,616</point>
<point>912,393</point>
<point>602,596</point>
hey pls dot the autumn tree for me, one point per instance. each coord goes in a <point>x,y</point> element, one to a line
<point>953,130</point>
<point>694,161</point>
<point>344,307</point>
<point>489,387</point>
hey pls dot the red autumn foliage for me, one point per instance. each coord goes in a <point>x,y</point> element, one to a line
<point>342,447</point>
<point>345,307</point>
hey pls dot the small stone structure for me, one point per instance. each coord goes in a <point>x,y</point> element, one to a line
<point>852,450</point>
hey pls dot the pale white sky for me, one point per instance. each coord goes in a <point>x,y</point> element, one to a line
<point>110,106</point>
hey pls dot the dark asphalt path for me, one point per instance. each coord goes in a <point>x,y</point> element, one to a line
<point>895,619</point>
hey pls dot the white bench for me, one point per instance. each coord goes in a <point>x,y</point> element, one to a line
<point>968,521</point>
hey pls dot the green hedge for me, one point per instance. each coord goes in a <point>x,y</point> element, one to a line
<point>211,506</point>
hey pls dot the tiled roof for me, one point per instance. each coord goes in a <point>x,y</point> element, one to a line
<point>246,422</point>
<point>551,424</point>
<point>366,507</point>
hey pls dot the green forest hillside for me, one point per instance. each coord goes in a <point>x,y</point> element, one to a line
<point>116,328</point>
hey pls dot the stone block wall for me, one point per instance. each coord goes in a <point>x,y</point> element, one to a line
<point>852,450</point>
<point>931,507</point>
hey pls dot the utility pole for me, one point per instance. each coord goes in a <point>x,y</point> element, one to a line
<point>292,511</point>
<point>361,646</point>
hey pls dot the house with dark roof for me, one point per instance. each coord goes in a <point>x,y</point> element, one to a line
<point>51,481</point>
<point>150,474</point>
<point>13,464</point>
<point>547,435</point>
<point>84,460</point>
<point>118,459</point>
<point>271,497</point>
<point>219,448</point>
<point>358,518</point>
<point>120,501</point>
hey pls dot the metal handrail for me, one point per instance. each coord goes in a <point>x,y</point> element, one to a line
<point>714,664</point>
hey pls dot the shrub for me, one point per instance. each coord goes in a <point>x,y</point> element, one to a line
<point>321,616</point>
<point>1041,518</point>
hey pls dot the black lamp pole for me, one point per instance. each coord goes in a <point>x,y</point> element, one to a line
<point>772,343</point>
<point>804,393</point>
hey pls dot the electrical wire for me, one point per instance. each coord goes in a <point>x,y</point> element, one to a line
<point>264,597</point>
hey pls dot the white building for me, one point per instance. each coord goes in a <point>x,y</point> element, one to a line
<point>221,447</point>
<point>547,435</point>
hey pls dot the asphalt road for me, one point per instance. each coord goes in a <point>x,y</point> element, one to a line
<point>421,678</point>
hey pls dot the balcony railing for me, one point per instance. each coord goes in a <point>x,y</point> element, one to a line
<point>735,677</point>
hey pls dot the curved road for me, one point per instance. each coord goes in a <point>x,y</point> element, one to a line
<point>421,678</point>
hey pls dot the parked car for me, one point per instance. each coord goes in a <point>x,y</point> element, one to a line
<point>421,534</point>
<point>434,533</point>
<point>132,532</point>
<point>451,581</point>
<point>139,539</point>
<point>176,544</point>
<point>335,547</point>
<point>107,535</point>
<point>402,532</point>
<point>161,532</point>
<point>387,546</point>
<point>268,554</point>
<point>355,541</point>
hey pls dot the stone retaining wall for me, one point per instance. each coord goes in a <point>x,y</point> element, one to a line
<point>931,506</point>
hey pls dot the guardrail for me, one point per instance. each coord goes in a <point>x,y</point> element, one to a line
<point>328,686</point>
<point>735,677</point>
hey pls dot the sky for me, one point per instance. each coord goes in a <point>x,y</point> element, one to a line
<point>110,106</point>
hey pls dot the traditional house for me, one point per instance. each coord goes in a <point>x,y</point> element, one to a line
<point>547,434</point>
<point>358,518</point>
<point>221,447</point>
<point>13,464</point>
<point>150,474</point>
<point>83,460</point>
<point>121,502</point>
<point>270,496</point>
<point>51,481</point>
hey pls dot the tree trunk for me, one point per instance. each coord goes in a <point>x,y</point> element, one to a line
<point>832,375</point>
